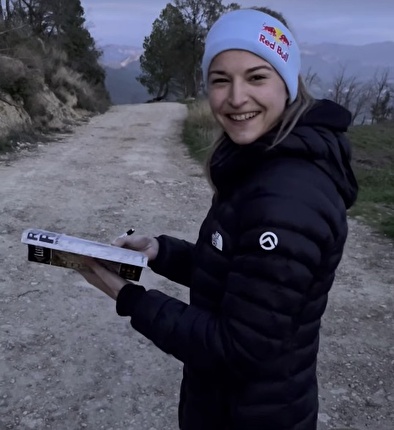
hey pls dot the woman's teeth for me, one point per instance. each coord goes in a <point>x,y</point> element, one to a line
<point>244,116</point>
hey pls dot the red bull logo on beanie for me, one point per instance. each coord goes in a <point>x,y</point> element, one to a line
<point>275,39</point>
<point>270,30</point>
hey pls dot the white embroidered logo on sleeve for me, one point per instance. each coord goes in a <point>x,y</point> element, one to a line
<point>217,241</point>
<point>269,241</point>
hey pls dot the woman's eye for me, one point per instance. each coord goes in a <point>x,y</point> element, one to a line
<point>257,77</point>
<point>219,80</point>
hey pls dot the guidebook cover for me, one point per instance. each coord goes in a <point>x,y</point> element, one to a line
<point>58,249</point>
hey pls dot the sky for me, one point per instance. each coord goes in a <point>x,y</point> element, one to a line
<point>355,22</point>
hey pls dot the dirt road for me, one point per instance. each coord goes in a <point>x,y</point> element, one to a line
<point>68,362</point>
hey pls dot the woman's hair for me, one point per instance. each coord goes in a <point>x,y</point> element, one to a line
<point>292,113</point>
<point>303,102</point>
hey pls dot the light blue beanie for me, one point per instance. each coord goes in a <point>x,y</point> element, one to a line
<point>259,33</point>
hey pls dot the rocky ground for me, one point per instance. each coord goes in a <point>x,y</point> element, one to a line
<point>67,361</point>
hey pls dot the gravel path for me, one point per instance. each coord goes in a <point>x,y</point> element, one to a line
<point>68,362</point>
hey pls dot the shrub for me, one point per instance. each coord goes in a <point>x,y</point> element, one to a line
<point>90,98</point>
<point>12,71</point>
<point>200,129</point>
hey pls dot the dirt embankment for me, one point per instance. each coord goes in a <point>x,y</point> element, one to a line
<point>69,362</point>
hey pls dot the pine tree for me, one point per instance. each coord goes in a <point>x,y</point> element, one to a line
<point>69,25</point>
<point>62,23</point>
<point>174,50</point>
<point>162,52</point>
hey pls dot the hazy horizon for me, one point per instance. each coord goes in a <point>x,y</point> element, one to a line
<point>302,44</point>
<point>350,22</point>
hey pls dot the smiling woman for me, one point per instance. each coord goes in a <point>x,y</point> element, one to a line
<point>246,94</point>
<point>266,255</point>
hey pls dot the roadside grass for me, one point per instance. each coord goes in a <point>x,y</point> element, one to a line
<point>17,139</point>
<point>200,130</point>
<point>373,159</point>
<point>373,162</point>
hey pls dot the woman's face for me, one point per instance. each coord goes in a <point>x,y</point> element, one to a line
<point>246,95</point>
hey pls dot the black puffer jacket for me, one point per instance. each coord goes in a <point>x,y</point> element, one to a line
<point>259,276</point>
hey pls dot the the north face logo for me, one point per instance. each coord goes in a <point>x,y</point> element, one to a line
<point>217,241</point>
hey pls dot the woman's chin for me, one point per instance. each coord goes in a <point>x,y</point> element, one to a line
<point>242,138</point>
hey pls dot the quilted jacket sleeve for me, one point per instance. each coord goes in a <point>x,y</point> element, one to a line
<point>271,275</point>
<point>174,260</point>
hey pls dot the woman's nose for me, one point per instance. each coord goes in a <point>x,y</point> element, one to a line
<point>238,94</point>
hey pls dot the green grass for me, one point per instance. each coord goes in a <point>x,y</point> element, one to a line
<point>373,155</point>
<point>373,162</point>
<point>200,130</point>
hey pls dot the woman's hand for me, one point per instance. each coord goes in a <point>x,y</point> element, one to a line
<point>145,244</point>
<point>98,276</point>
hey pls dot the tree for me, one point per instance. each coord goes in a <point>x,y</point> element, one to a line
<point>69,23</point>
<point>199,16</point>
<point>351,93</point>
<point>381,108</point>
<point>162,49</point>
<point>174,50</point>
<point>38,31</point>
<point>311,78</point>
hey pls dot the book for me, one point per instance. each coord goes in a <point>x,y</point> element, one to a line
<point>61,250</point>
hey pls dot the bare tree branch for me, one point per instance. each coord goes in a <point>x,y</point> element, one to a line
<point>13,29</point>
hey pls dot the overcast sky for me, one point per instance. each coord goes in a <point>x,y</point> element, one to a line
<point>356,22</point>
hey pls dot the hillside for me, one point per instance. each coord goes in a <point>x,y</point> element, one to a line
<point>47,83</point>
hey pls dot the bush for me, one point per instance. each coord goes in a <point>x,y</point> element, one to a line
<point>200,129</point>
<point>32,54</point>
<point>90,98</point>
<point>12,72</point>
<point>15,139</point>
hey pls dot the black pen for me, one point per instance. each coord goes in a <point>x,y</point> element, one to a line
<point>128,233</point>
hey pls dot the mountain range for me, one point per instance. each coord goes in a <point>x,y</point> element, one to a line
<point>122,66</point>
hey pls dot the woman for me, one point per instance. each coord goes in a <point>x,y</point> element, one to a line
<point>268,249</point>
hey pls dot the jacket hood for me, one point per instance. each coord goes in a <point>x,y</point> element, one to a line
<point>326,113</point>
<point>318,136</point>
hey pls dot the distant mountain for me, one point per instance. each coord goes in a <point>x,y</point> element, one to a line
<point>326,59</point>
<point>122,66</point>
<point>118,56</point>
<point>123,87</point>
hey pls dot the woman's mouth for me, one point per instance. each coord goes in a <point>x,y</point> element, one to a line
<point>243,116</point>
